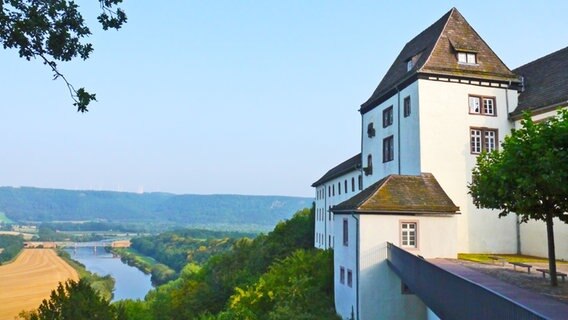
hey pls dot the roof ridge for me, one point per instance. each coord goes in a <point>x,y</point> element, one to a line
<point>452,10</point>
<point>542,58</point>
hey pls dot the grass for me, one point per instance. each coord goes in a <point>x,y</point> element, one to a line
<point>484,258</point>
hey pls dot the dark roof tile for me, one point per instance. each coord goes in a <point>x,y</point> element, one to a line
<point>351,164</point>
<point>545,82</point>
<point>437,46</point>
<point>401,194</point>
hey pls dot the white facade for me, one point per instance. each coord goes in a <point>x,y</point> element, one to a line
<point>329,194</point>
<point>374,284</point>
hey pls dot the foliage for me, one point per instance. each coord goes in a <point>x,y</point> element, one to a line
<point>528,176</point>
<point>238,211</point>
<point>207,289</point>
<point>177,248</point>
<point>71,301</point>
<point>134,309</point>
<point>11,245</point>
<point>53,30</point>
<point>298,287</point>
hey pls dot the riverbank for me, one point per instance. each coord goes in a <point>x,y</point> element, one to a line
<point>103,285</point>
<point>160,272</point>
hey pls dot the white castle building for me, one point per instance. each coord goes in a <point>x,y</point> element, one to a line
<point>446,98</point>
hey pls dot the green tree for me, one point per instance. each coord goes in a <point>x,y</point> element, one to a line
<point>528,176</point>
<point>53,30</point>
<point>73,300</point>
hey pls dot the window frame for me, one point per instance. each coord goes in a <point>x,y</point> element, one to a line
<point>406,104</point>
<point>342,275</point>
<point>466,57</point>
<point>388,149</point>
<point>482,142</point>
<point>401,234</point>
<point>345,232</point>
<point>349,278</point>
<point>482,100</point>
<point>388,117</point>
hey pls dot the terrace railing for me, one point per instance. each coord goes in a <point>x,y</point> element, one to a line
<point>450,296</point>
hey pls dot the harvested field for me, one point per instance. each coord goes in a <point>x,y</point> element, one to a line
<point>28,280</point>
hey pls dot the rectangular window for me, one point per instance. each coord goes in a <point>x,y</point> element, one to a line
<point>333,190</point>
<point>467,57</point>
<point>482,139</point>
<point>360,178</point>
<point>349,278</point>
<point>339,187</point>
<point>387,117</point>
<point>407,106</point>
<point>342,275</point>
<point>388,149</point>
<point>345,232</point>
<point>345,184</point>
<point>352,184</point>
<point>482,105</point>
<point>408,235</point>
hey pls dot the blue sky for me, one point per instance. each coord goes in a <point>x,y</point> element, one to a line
<point>240,97</point>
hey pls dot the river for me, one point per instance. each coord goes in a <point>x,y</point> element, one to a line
<point>131,283</point>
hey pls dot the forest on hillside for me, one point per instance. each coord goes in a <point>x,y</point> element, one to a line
<point>278,275</point>
<point>46,205</point>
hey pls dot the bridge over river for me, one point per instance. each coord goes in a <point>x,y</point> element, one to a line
<point>114,243</point>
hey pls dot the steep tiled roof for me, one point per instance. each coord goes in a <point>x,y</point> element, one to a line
<point>545,82</point>
<point>435,53</point>
<point>401,194</point>
<point>351,164</point>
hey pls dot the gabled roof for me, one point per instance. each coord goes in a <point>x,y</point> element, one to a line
<point>545,82</point>
<point>400,194</point>
<point>435,53</point>
<point>353,163</point>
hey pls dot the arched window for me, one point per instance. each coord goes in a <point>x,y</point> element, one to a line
<point>345,184</point>
<point>369,169</point>
<point>339,187</point>
<point>353,184</point>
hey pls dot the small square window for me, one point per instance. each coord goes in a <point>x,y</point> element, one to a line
<point>408,235</point>
<point>467,57</point>
<point>482,105</point>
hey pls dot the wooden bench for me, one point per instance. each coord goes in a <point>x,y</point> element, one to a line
<point>545,271</point>
<point>497,259</point>
<point>520,264</point>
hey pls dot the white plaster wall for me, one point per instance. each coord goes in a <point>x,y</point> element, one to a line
<point>380,287</point>
<point>534,240</point>
<point>406,142</point>
<point>325,226</point>
<point>445,152</point>
<point>345,256</point>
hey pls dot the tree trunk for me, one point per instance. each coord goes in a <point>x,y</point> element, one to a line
<point>551,250</point>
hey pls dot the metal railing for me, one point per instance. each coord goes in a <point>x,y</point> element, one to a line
<point>451,296</point>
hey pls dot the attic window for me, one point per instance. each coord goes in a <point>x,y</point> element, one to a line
<point>467,57</point>
<point>410,63</point>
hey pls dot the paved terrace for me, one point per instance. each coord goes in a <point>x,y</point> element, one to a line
<point>543,305</point>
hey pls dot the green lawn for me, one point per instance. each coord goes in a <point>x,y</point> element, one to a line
<point>484,258</point>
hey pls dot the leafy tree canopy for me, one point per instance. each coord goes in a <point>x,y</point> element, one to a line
<point>74,300</point>
<point>528,176</point>
<point>53,30</point>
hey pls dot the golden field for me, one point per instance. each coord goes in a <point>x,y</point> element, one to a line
<point>28,280</point>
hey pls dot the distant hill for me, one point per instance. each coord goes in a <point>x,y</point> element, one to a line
<point>35,204</point>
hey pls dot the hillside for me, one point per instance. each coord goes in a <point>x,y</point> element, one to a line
<point>35,204</point>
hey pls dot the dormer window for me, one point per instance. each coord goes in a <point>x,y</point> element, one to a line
<point>409,65</point>
<point>467,57</point>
